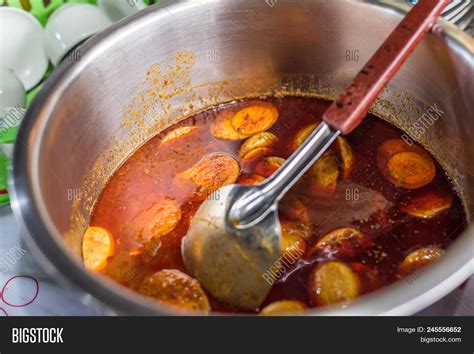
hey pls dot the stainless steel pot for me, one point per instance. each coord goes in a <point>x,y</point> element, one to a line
<point>93,113</point>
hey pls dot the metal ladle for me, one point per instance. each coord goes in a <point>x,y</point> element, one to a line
<point>233,243</point>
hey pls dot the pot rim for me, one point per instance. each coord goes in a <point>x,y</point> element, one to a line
<point>48,245</point>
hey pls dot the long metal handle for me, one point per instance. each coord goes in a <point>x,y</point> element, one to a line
<point>256,203</point>
<point>346,113</point>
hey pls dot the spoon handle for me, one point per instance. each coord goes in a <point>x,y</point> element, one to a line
<point>257,202</point>
<point>342,116</point>
<point>350,108</point>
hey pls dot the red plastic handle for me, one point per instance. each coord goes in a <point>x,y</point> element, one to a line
<point>350,108</point>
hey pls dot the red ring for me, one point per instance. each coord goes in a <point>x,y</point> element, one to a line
<point>29,302</point>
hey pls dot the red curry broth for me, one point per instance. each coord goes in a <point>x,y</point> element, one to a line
<point>362,198</point>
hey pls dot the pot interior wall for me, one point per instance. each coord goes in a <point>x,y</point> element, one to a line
<point>174,61</point>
